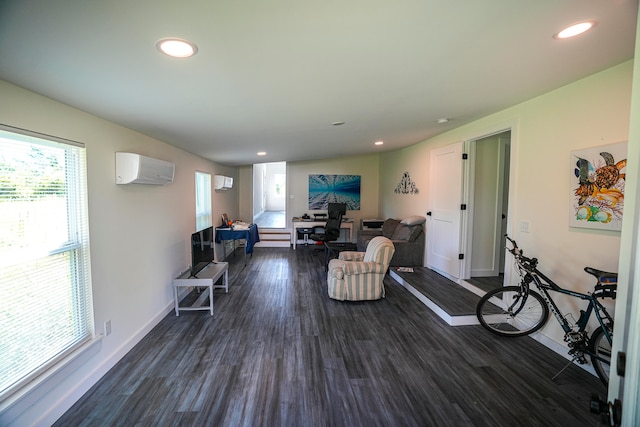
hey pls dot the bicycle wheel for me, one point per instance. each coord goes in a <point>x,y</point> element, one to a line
<point>507,312</point>
<point>600,349</point>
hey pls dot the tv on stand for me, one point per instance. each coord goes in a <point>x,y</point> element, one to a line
<point>201,250</point>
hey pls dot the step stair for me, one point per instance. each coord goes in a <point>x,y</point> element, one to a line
<point>274,238</point>
<point>452,302</point>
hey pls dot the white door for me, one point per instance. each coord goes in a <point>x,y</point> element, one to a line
<point>444,216</point>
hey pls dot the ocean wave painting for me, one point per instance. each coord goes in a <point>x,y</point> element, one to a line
<point>325,189</point>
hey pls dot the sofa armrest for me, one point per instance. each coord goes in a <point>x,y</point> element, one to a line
<point>352,268</point>
<point>338,268</point>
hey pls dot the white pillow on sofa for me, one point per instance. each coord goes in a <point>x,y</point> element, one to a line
<point>413,220</point>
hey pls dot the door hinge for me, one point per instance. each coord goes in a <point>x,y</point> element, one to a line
<point>460,256</point>
<point>465,156</point>
<point>463,207</point>
<point>622,362</point>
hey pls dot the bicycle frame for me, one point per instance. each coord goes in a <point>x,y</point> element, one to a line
<point>544,284</point>
<point>516,311</point>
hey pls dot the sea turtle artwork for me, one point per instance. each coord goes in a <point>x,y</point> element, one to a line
<point>599,195</point>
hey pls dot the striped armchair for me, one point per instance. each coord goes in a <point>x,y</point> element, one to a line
<point>357,276</point>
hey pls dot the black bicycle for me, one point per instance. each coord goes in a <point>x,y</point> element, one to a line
<point>514,311</point>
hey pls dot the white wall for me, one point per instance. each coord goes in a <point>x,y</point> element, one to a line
<point>298,185</point>
<point>590,112</point>
<point>259,170</point>
<point>139,236</point>
<point>366,166</point>
<point>275,201</point>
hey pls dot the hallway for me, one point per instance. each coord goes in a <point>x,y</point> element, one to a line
<point>271,219</point>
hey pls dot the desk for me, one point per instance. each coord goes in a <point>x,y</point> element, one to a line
<point>206,278</point>
<point>251,236</point>
<point>300,223</point>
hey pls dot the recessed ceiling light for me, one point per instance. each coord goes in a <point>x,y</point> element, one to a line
<point>378,142</point>
<point>575,30</point>
<point>261,153</point>
<point>337,123</point>
<point>177,48</point>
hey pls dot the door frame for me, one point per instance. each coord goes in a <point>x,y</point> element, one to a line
<point>470,183</point>
<point>469,188</point>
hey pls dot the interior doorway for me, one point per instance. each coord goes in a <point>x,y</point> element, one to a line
<point>489,196</point>
<point>269,195</point>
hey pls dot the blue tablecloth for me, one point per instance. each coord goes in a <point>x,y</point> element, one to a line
<point>251,236</point>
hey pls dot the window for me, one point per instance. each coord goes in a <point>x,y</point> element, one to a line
<point>44,255</point>
<point>203,200</point>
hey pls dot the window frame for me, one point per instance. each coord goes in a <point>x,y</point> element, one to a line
<point>76,287</point>
<point>203,210</point>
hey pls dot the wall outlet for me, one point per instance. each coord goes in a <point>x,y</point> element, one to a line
<point>107,328</point>
<point>524,226</point>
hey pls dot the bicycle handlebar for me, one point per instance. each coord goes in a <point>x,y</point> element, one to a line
<point>528,264</point>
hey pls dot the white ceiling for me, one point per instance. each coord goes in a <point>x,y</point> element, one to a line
<point>273,75</point>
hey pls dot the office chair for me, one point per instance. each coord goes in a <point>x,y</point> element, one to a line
<point>331,228</point>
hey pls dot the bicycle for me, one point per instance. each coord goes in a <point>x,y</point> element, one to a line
<point>514,311</point>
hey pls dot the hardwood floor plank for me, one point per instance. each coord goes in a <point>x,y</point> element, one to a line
<point>279,352</point>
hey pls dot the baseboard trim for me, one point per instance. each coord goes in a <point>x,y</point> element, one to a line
<point>467,320</point>
<point>50,412</point>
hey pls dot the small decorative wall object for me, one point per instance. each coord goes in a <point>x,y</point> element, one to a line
<point>597,186</point>
<point>324,189</point>
<point>406,186</point>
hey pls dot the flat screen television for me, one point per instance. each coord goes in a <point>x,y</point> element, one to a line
<point>201,250</point>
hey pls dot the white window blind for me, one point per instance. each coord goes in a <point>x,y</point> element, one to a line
<point>44,256</point>
<point>203,200</point>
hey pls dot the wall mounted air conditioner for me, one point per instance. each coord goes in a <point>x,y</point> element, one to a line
<point>221,182</point>
<point>136,169</point>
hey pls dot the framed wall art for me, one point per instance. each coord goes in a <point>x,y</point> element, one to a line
<point>597,186</point>
<point>325,189</point>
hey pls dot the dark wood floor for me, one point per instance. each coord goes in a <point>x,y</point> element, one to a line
<point>452,298</point>
<point>279,352</point>
<point>487,283</point>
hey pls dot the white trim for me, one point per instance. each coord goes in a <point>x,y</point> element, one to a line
<point>463,320</point>
<point>470,287</point>
<point>560,349</point>
<point>466,320</point>
<point>50,411</point>
<point>39,135</point>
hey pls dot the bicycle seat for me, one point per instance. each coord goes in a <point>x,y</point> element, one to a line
<point>604,277</point>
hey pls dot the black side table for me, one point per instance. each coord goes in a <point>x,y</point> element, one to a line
<point>332,249</point>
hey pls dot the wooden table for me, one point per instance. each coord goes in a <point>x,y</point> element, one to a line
<point>250,235</point>
<point>205,278</point>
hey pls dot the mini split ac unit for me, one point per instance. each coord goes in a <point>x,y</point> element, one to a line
<point>136,169</point>
<point>222,182</point>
